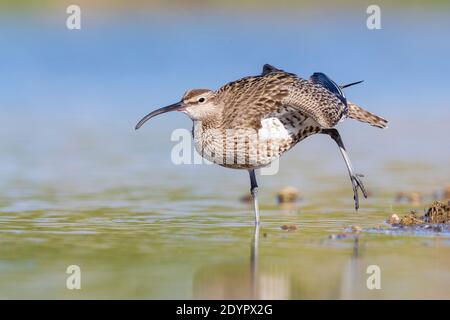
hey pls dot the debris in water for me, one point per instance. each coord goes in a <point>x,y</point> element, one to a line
<point>289,227</point>
<point>393,219</point>
<point>338,236</point>
<point>352,231</point>
<point>410,219</point>
<point>438,212</point>
<point>288,195</point>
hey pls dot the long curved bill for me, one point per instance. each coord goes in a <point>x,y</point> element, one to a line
<point>179,106</point>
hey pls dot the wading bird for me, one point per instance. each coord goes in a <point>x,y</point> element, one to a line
<point>248,123</point>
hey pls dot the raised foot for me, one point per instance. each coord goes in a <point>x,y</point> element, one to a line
<point>357,183</point>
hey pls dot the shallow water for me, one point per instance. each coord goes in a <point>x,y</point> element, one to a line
<point>141,227</point>
<point>80,187</point>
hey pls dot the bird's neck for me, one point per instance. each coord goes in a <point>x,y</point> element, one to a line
<point>211,121</point>
<point>206,124</point>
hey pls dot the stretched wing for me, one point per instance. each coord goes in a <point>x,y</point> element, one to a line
<point>252,99</point>
<point>323,80</point>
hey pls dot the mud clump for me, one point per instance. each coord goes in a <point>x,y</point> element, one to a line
<point>439,212</point>
<point>289,227</point>
<point>410,219</point>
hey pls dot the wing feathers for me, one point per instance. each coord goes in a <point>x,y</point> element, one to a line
<point>330,85</point>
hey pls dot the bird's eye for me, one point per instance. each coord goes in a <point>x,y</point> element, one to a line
<point>201,100</point>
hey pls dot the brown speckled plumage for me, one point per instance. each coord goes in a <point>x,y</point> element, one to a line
<point>249,123</point>
<point>357,113</point>
<point>247,101</point>
<point>301,106</point>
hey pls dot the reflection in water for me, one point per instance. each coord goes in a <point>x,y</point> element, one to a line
<point>272,280</point>
<point>241,280</point>
<point>351,274</point>
<point>230,280</point>
<point>339,273</point>
<point>254,261</point>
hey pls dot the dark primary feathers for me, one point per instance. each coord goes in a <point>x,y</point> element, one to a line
<point>267,68</point>
<point>343,86</point>
<point>323,80</point>
<point>354,112</point>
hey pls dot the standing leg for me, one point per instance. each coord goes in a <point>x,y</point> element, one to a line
<point>354,177</point>
<point>254,192</point>
<point>254,262</point>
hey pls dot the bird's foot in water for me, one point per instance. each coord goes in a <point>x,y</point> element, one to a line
<point>357,183</point>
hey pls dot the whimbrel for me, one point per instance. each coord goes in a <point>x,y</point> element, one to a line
<point>249,123</point>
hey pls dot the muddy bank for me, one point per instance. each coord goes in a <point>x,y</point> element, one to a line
<point>435,219</point>
<point>437,213</point>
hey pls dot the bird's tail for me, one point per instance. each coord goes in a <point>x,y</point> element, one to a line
<point>357,113</point>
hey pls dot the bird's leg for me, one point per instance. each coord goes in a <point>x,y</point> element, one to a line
<point>354,177</point>
<point>254,192</point>
<point>254,262</point>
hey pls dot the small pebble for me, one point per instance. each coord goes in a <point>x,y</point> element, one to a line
<point>289,227</point>
<point>288,195</point>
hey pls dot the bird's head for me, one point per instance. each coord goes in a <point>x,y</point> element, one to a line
<point>198,104</point>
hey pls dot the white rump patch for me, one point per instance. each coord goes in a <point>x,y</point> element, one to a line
<point>272,128</point>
